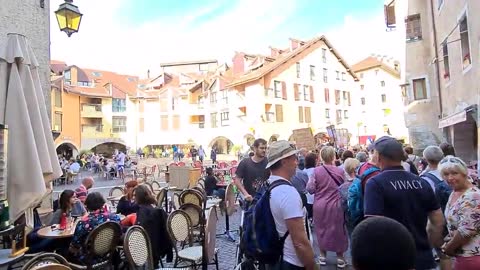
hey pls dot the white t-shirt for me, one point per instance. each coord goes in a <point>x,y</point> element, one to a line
<point>285,203</point>
<point>120,159</point>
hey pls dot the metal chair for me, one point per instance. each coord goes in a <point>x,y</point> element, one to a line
<point>180,230</point>
<point>176,201</point>
<point>161,195</point>
<point>44,259</point>
<point>100,246</point>
<point>156,185</point>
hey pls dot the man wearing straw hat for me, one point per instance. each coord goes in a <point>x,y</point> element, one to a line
<point>287,208</point>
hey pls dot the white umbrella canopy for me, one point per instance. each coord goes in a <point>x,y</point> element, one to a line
<point>32,159</point>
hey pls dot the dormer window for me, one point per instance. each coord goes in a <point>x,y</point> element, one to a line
<point>96,73</point>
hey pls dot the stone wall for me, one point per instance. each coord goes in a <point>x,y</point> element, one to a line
<point>28,18</point>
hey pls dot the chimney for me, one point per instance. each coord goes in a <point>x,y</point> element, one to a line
<point>238,63</point>
<point>295,43</point>
<point>274,52</point>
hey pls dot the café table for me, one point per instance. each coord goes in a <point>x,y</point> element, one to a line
<point>54,233</point>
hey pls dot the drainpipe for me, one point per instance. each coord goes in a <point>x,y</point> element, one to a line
<point>437,64</point>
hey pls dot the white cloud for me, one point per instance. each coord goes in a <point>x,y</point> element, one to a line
<point>106,42</point>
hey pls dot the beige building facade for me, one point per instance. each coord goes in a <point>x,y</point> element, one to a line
<point>441,83</point>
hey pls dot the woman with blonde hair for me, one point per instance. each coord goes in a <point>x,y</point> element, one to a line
<point>327,211</point>
<point>462,214</point>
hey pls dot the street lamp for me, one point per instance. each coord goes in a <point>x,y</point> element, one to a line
<point>68,17</point>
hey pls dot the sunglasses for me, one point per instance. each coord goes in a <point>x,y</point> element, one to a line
<point>453,160</point>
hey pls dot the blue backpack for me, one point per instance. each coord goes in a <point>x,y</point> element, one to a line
<point>442,190</point>
<point>260,240</point>
<point>354,211</point>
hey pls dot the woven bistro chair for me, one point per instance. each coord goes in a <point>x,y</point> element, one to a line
<point>161,195</point>
<point>211,237</point>
<point>100,246</point>
<point>115,194</point>
<point>149,185</point>
<point>195,213</point>
<point>176,201</point>
<point>138,248</point>
<point>191,196</point>
<point>156,186</point>
<point>179,228</point>
<point>44,259</point>
<point>201,182</point>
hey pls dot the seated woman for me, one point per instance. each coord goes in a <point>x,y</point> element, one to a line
<point>96,216</point>
<point>70,205</point>
<point>154,221</point>
<point>211,185</point>
<point>126,204</point>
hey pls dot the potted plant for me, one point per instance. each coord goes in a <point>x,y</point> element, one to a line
<point>466,60</point>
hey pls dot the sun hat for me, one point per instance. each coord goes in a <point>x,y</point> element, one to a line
<point>279,150</point>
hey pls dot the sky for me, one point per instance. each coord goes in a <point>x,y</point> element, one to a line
<point>133,36</point>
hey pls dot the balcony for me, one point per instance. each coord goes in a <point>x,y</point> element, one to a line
<point>92,111</point>
<point>93,131</point>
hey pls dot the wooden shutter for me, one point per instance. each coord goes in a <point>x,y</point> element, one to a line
<point>308,115</point>
<point>349,100</point>
<point>284,90</point>
<point>300,114</point>
<point>327,95</point>
<point>312,98</point>
<point>295,91</point>
<point>279,113</point>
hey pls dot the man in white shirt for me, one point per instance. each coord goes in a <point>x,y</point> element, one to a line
<point>287,208</point>
<point>120,159</point>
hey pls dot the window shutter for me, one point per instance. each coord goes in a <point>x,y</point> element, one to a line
<point>279,113</point>
<point>284,91</point>
<point>295,91</point>
<point>308,115</point>
<point>300,114</point>
<point>348,97</point>
<point>312,98</point>
<point>327,95</point>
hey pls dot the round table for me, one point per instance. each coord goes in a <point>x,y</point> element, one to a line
<point>49,233</point>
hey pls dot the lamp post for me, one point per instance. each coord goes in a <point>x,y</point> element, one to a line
<point>68,17</point>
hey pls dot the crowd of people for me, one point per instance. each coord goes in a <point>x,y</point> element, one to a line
<point>395,210</point>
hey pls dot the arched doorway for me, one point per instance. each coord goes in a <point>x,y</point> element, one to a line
<point>67,150</point>
<point>222,144</point>
<point>273,138</point>
<point>249,138</point>
<point>107,149</point>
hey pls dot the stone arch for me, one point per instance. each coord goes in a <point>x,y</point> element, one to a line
<point>108,148</point>
<point>222,144</point>
<point>67,150</point>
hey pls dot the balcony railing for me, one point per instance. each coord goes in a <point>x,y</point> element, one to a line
<point>92,110</point>
<point>92,131</point>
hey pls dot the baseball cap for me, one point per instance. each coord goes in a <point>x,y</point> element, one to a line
<point>389,147</point>
<point>279,150</point>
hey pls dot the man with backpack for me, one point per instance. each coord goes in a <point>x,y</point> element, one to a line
<point>274,230</point>
<point>406,198</point>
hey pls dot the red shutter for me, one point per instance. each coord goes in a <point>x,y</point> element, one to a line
<point>284,91</point>
<point>312,98</point>
<point>295,91</point>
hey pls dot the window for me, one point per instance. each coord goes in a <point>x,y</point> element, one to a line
<point>361,75</point>
<point>362,101</point>
<point>376,72</point>
<point>446,64</point>
<point>213,97</point>
<point>224,96</point>
<point>345,114</point>
<point>306,92</point>
<point>439,4</point>
<point>413,27</point>
<point>86,84</point>
<point>465,42</point>
<point>345,95</point>
<point>141,124</point>
<point>174,103</point>
<point>96,73</point>
<point>327,113</point>
<point>277,88</point>
<point>164,122</point>
<point>279,113</point>
<point>300,114</point>
<point>327,95</point>
<point>419,89</point>
<point>201,121</point>
<point>338,75</point>
<point>325,75</point>
<point>58,97</point>
<point>337,97</point>
<point>362,87</point>
<point>324,55</point>
<point>213,120</point>
<point>57,121</point>
<point>141,106</point>
<point>343,76</point>
<point>308,115</point>
<point>176,122</point>
<point>384,98</point>
<point>163,105</point>
<point>203,67</point>
<point>224,117</point>
<point>339,116</point>
<point>312,73</point>
<point>119,124</point>
<point>382,83</point>
<point>67,76</point>
<point>298,69</point>
<point>119,105</point>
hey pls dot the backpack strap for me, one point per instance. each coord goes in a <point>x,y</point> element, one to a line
<point>338,182</point>
<point>432,177</point>
<point>277,183</point>
<point>367,172</point>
